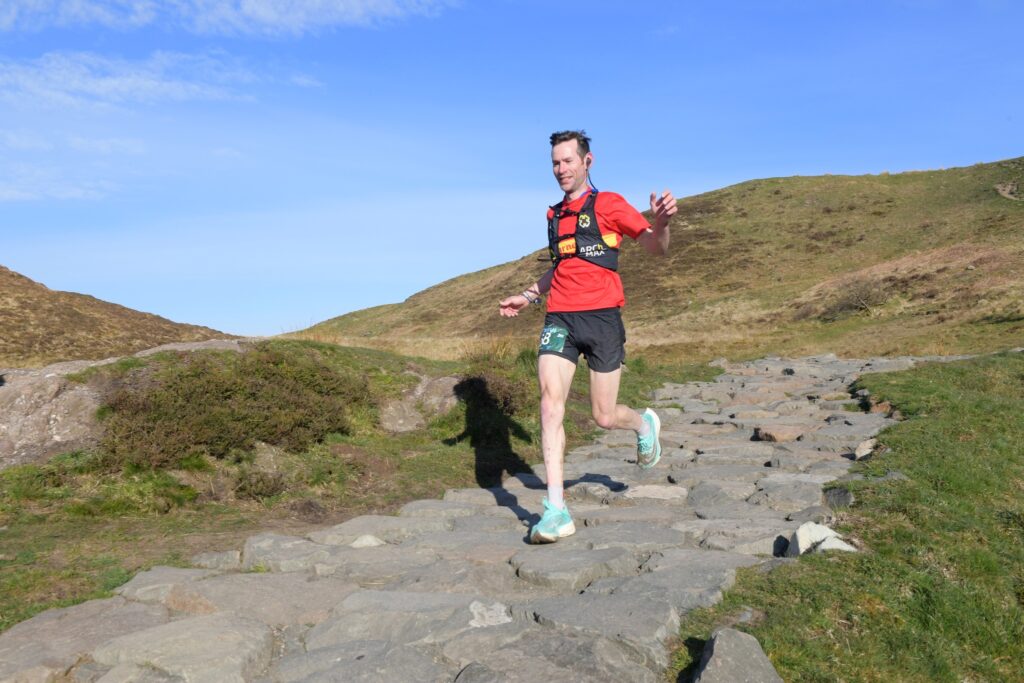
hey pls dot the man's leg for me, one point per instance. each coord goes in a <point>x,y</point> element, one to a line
<point>555,375</point>
<point>609,414</point>
<point>604,394</point>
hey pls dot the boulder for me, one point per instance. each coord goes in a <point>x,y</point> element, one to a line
<point>810,536</point>
<point>42,414</point>
<point>731,656</point>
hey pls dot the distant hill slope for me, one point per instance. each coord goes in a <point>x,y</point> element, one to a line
<point>919,262</point>
<point>40,326</point>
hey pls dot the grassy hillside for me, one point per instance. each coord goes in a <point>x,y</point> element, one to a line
<point>919,262</point>
<point>42,326</point>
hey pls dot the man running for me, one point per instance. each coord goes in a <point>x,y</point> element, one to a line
<point>585,299</point>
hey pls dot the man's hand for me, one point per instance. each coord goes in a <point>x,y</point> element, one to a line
<point>656,239</point>
<point>510,306</point>
<point>663,208</point>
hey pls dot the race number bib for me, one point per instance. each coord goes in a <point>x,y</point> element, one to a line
<point>552,338</point>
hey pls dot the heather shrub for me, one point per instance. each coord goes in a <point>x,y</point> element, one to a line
<point>213,403</point>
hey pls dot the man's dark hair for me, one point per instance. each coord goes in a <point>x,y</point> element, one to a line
<point>580,136</point>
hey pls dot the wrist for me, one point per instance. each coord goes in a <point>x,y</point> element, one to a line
<point>530,296</point>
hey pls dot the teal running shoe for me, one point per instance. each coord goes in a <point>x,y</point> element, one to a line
<point>648,450</point>
<point>553,525</point>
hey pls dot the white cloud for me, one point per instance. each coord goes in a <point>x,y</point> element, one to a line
<point>36,14</point>
<point>80,78</point>
<point>106,146</point>
<point>29,182</point>
<point>248,17</point>
<point>21,141</point>
<point>305,81</point>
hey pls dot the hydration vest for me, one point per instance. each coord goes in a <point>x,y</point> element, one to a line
<point>586,242</point>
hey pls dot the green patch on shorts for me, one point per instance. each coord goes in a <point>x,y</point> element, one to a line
<point>552,338</point>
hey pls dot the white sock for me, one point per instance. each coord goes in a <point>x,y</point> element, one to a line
<point>555,494</point>
<point>645,429</point>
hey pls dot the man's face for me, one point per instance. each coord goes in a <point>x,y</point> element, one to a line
<point>569,168</point>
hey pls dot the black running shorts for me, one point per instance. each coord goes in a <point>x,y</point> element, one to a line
<point>598,335</point>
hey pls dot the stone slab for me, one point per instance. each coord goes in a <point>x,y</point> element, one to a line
<point>155,584</point>
<point>404,617</point>
<point>642,623</point>
<point>571,569</point>
<point>274,599</point>
<point>386,528</point>
<point>370,567</point>
<point>542,654</point>
<point>209,649</point>
<point>49,643</point>
<point>786,495</point>
<point>282,553</point>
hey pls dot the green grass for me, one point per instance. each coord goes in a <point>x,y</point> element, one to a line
<point>938,592</point>
<point>86,521</point>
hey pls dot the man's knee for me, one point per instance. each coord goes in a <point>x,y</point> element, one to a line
<point>552,407</point>
<point>604,418</point>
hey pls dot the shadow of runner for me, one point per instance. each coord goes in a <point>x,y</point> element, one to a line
<point>490,429</point>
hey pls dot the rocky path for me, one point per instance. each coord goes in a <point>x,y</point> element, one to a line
<point>449,590</point>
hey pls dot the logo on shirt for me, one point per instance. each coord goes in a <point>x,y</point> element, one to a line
<point>583,221</point>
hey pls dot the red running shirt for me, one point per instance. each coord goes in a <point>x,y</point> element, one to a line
<point>579,285</point>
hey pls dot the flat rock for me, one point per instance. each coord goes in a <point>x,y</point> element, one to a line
<point>738,510</point>
<point>633,536</point>
<point>281,553</point>
<point>299,666</point>
<point>472,546</point>
<point>659,515</point>
<point>218,648</point>
<point>227,560</point>
<point>711,492</point>
<point>372,566</point>
<point>497,580</point>
<point>49,643</point>
<point>738,450</point>
<point>404,617</point>
<point>642,623</point>
<point>571,569</point>
<point>365,664</point>
<point>750,537</point>
<point>731,656</point>
<point>820,514</point>
<point>663,492</point>
<point>685,578</point>
<point>515,499</point>
<point>455,510</point>
<point>386,528</point>
<point>786,496</point>
<point>542,654</point>
<point>273,599</point>
<point>154,585</point>
<point>134,673</point>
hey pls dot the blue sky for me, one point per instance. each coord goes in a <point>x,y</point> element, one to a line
<point>261,165</point>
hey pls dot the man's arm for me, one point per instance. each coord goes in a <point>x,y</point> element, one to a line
<point>509,307</point>
<point>656,239</point>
